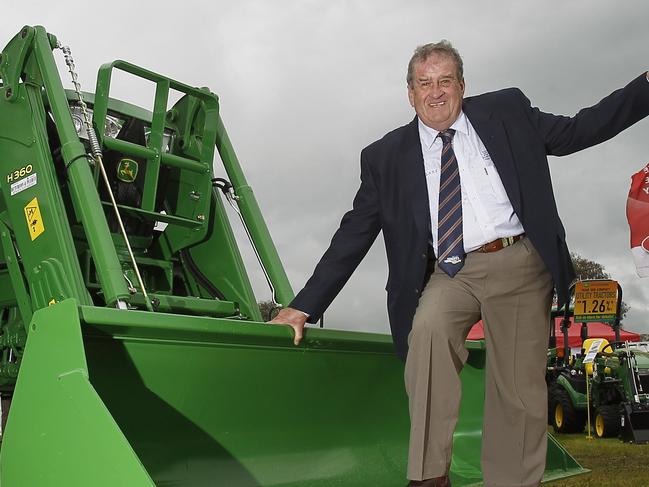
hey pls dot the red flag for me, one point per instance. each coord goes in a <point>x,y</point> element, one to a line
<point>637,212</point>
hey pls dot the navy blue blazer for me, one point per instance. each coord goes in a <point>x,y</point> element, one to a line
<point>393,196</point>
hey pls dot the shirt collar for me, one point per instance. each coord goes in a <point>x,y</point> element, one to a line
<point>427,134</point>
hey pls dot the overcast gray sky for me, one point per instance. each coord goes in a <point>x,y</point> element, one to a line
<point>305,85</point>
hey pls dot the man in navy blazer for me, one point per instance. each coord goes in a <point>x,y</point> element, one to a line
<point>513,253</point>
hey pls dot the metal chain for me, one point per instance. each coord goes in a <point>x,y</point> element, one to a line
<point>98,158</point>
<point>92,136</point>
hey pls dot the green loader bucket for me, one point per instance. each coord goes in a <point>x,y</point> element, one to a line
<point>109,397</point>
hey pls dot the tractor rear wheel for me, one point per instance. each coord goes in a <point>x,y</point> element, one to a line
<point>607,421</point>
<point>551,388</point>
<point>565,417</point>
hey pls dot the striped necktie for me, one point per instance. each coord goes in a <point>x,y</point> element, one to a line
<point>450,245</point>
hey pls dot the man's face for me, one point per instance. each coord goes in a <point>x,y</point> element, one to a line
<point>436,92</point>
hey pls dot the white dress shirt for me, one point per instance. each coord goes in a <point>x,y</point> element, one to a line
<point>487,213</point>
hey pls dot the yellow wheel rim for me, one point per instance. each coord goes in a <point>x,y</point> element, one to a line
<point>558,415</point>
<point>599,425</point>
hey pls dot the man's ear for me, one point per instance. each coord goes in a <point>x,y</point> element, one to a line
<point>411,96</point>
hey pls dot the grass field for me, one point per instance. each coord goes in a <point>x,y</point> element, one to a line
<point>613,463</point>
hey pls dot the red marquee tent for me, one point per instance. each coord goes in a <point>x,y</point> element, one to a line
<point>595,330</point>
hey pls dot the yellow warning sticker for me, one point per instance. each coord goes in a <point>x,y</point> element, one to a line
<point>34,219</point>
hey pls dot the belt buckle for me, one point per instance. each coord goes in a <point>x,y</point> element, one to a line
<point>503,241</point>
<point>512,240</point>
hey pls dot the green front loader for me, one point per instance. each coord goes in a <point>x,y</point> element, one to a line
<point>133,351</point>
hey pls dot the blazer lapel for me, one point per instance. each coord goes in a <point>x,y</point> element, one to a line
<point>414,186</point>
<point>493,134</point>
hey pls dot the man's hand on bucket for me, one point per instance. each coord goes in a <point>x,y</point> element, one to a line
<point>296,319</point>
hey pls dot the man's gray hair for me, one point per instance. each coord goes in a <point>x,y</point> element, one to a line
<point>442,47</point>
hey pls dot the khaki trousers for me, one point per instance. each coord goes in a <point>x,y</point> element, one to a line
<point>511,291</point>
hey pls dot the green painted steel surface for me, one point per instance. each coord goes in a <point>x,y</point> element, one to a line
<point>86,201</point>
<point>579,400</point>
<point>59,431</point>
<point>197,393</point>
<point>49,262</point>
<point>207,402</point>
<point>642,359</point>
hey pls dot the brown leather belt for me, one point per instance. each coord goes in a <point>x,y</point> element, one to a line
<point>499,244</point>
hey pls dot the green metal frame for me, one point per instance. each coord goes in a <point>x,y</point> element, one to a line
<point>154,153</point>
<point>213,402</point>
<point>197,392</point>
<point>578,399</point>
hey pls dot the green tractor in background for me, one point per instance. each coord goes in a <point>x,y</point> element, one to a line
<point>607,383</point>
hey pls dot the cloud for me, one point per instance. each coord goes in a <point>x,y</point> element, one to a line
<point>304,86</point>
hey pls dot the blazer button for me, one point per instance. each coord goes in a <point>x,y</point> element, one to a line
<point>424,256</point>
<point>416,291</point>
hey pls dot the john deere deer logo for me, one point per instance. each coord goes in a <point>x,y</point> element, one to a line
<point>127,170</point>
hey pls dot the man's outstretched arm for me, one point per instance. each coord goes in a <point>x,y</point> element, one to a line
<point>616,112</point>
